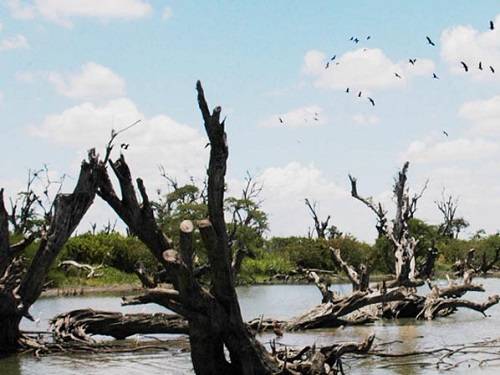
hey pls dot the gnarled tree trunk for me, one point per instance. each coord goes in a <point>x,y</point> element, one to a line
<point>20,288</point>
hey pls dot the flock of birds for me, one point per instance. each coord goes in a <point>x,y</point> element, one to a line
<point>411,61</point>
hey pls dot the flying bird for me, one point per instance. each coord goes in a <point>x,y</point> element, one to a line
<point>372,101</point>
<point>333,57</point>
<point>492,25</point>
<point>466,68</point>
<point>327,64</point>
<point>429,40</point>
<point>434,75</point>
<point>281,120</point>
<point>480,65</point>
<point>445,133</point>
<point>347,90</point>
<point>412,61</point>
<point>359,94</point>
<point>124,146</point>
<point>368,37</point>
<point>492,70</point>
<point>356,40</point>
<point>397,75</point>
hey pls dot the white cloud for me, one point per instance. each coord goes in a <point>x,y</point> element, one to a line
<point>483,114</point>
<point>302,117</point>
<point>93,82</point>
<point>362,69</point>
<point>465,43</point>
<point>154,141</point>
<point>462,149</point>
<point>362,119</point>
<point>14,42</point>
<point>61,11</point>
<point>167,13</point>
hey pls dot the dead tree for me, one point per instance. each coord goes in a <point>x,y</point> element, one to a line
<point>481,267</point>
<point>403,245</point>
<point>359,277</point>
<point>20,288</point>
<point>214,316</point>
<point>320,226</point>
<point>452,225</point>
<point>215,323</point>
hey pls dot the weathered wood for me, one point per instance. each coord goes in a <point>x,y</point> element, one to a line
<point>91,270</point>
<point>360,280</point>
<point>79,325</point>
<point>20,290</point>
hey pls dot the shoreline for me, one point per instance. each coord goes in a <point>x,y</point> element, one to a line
<point>73,291</point>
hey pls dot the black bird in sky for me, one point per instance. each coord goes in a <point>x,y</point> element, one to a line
<point>492,25</point>
<point>347,90</point>
<point>327,64</point>
<point>429,40</point>
<point>480,65</point>
<point>445,133</point>
<point>281,120</point>
<point>368,37</point>
<point>333,57</point>
<point>397,75</point>
<point>466,68</point>
<point>352,38</point>
<point>434,75</point>
<point>124,146</point>
<point>412,61</point>
<point>359,94</point>
<point>372,101</point>
<point>356,40</point>
<point>492,69</point>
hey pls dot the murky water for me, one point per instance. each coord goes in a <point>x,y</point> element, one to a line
<point>278,301</point>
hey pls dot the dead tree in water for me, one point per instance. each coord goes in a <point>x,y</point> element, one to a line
<point>216,326</point>
<point>403,245</point>
<point>19,287</point>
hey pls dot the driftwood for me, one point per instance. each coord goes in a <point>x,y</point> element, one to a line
<point>91,270</point>
<point>79,325</point>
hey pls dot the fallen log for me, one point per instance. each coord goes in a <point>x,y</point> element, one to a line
<point>79,325</point>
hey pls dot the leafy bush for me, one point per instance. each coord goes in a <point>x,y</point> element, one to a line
<point>113,249</point>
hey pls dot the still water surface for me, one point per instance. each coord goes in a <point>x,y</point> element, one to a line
<point>277,301</point>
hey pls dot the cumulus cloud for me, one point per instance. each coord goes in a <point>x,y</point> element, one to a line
<point>93,82</point>
<point>465,43</point>
<point>61,11</point>
<point>362,119</point>
<point>302,117</point>
<point>484,115</point>
<point>154,141</point>
<point>462,149</point>
<point>14,42</point>
<point>362,69</point>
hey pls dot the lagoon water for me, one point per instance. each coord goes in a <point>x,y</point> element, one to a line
<point>277,301</point>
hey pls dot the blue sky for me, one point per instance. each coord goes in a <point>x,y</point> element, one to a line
<point>71,70</point>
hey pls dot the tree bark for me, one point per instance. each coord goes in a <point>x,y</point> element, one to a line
<point>19,289</point>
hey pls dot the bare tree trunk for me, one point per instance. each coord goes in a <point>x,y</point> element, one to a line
<point>19,289</point>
